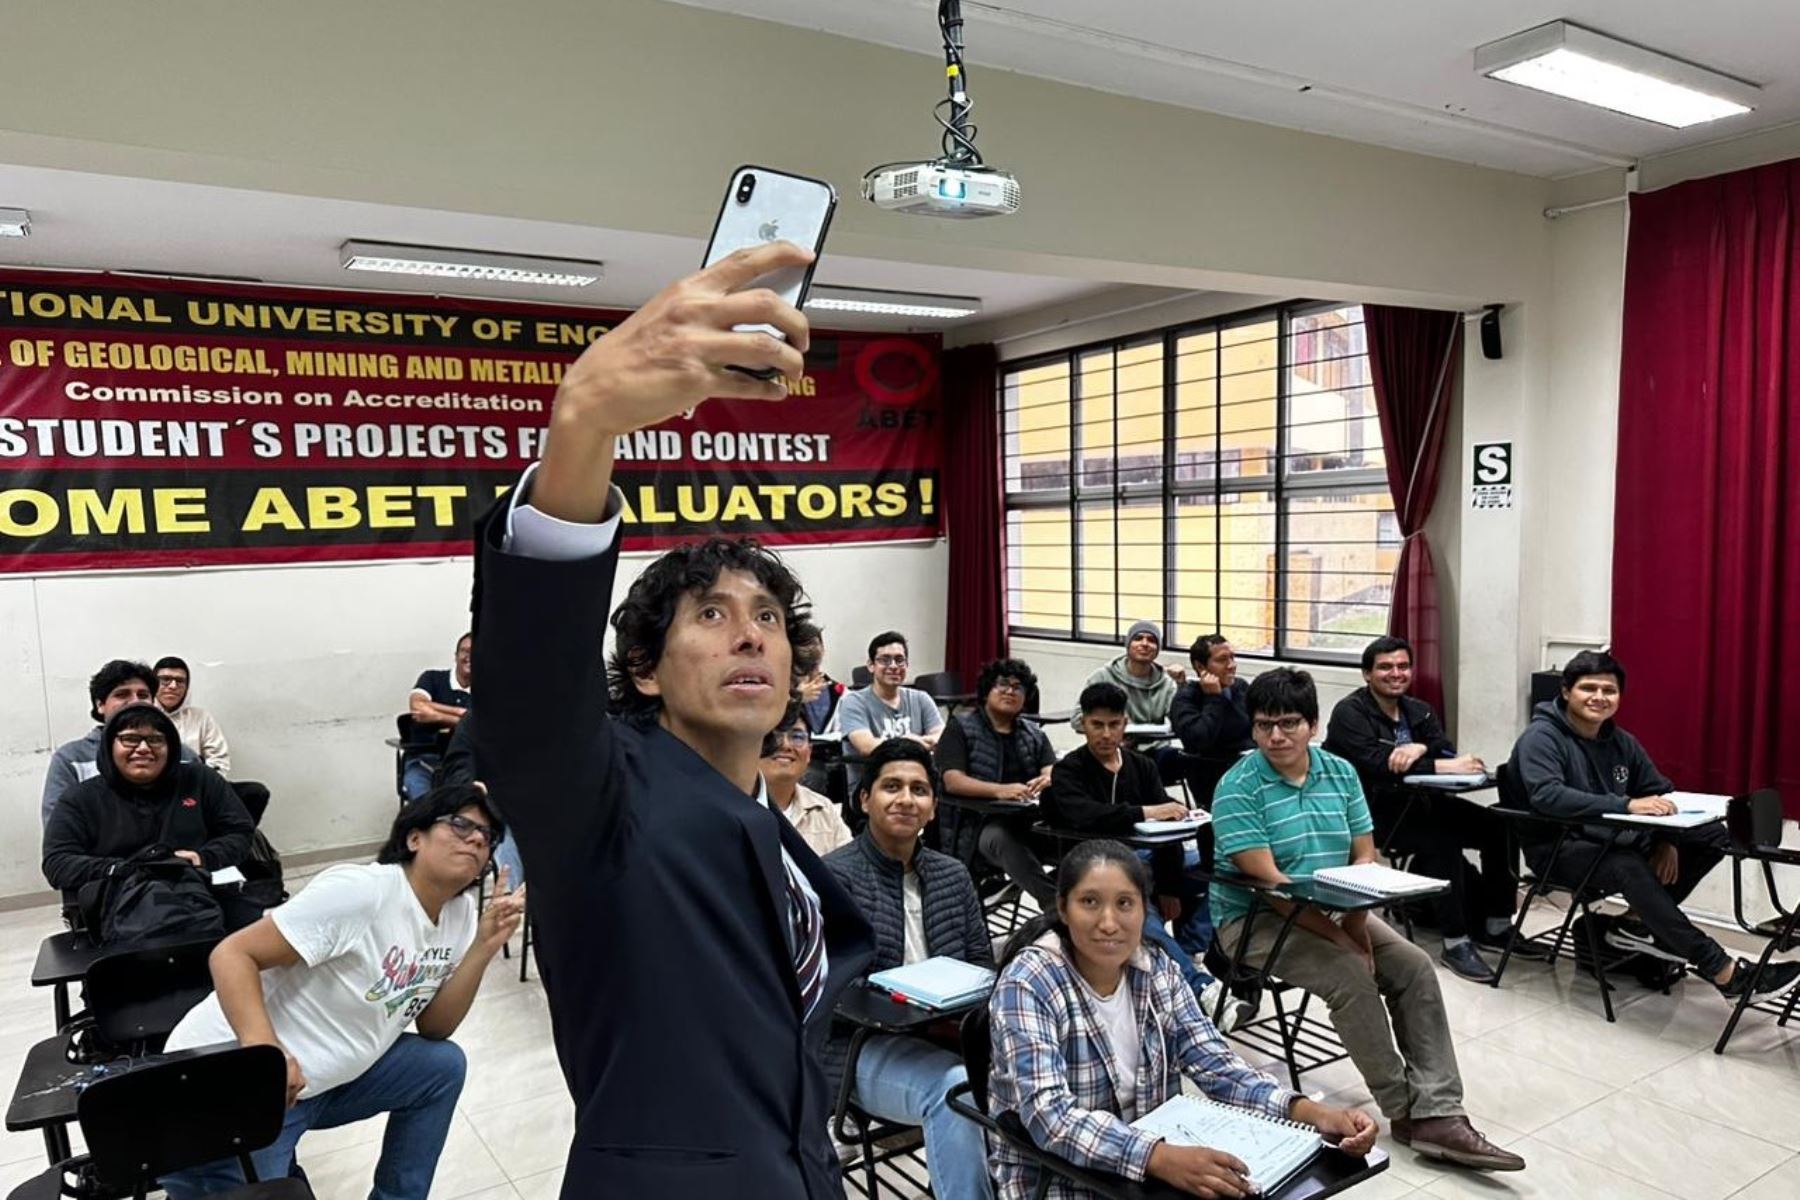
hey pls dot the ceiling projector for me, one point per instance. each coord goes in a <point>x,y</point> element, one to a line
<point>958,183</point>
<point>939,189</point>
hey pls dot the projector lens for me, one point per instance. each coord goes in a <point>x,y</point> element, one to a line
<point>951,189</point>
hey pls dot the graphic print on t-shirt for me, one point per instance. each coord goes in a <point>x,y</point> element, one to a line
<point>894,723</point>
<point>413,984</point>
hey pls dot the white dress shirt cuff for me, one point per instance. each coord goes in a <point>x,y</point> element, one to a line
<point>534,534</point>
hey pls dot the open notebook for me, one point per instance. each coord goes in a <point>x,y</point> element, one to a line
<point>935,982</point>
<point>1373,879</point>
<point>1692,809</point>
<point>1272,1149</point>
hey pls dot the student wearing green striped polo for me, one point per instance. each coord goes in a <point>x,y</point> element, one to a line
<point>1289,810</point>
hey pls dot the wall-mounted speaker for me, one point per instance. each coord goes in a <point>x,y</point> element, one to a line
<point>1490,331</point>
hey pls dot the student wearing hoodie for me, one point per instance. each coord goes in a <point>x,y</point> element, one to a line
<point>144,796</point>
<point>112,687</point>
<point>1092,1029</point>
<point>1574,761</point>
<point>1149,687</point>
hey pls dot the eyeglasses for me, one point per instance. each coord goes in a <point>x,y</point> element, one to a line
<point>797,736</point>
<point>1263,727</point>
<point>468,830</point>
<point>891,660</point>
<point>163,681</point>
<point>131,741</point>
<point>1012,686</point>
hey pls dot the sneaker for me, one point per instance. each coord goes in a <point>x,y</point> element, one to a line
<point>1776,978</point>
<point>1633,937</point>
<point>1524,947</point>
<point>1237,1009</point>
<point>1467,962</point>
<point>1454,1140</point>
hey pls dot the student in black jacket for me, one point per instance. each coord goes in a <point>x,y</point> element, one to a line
<point>1574,761</point>
<point>691,944</point>
<point>144,797</point>
<point>1103,788</point>
<point>1210,717</point>
<point>922,904</point>
<point>1387,735</point>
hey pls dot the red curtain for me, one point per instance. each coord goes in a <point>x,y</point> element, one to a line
<point>974,517</point>
<point>1413,357</point>
<point>1706,524</point>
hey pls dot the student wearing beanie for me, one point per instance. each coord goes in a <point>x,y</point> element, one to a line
<point>1149,687</point>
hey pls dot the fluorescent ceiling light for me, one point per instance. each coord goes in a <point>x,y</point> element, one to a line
<point>444,263</point>
<point>825,298</point>
<point>1579,64</point>
<point>15,222</point>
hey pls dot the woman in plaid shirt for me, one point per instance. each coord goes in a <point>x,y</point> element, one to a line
<point>1093,1029</point>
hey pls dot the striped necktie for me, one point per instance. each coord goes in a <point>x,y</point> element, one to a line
<point>807,928</point>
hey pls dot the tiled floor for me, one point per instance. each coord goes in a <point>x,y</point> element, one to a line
<point>1638,1109</point>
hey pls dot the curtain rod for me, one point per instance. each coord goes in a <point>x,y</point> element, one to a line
<point>1550,214</point>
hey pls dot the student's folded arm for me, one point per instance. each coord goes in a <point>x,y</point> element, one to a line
<point>1210,1062</point>
<point>544,741</point>
<point>1027,1042</point>
<point>1541,770</point>
<point>961,783</point>
<point>229,827</point>
<point>67,863</point>
<point>1356,738</point>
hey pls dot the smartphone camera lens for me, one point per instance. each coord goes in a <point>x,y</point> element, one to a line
<point>746,187</point>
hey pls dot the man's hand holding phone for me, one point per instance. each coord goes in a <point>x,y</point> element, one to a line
<point>666,358</point>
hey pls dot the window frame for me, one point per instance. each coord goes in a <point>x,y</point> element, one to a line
<point>1281,485</point>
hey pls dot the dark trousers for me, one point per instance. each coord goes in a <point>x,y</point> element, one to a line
<point>1006,842</point>
<point>1627,872</point>
<point>1435,830</point>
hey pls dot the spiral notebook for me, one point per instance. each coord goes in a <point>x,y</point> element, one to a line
<point>1273,1150</point>
<point>1373,879</point>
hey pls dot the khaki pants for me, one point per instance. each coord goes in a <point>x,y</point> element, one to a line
<point>1410,1069</point>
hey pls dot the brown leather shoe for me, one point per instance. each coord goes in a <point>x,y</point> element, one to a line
<point>1453,1139</point>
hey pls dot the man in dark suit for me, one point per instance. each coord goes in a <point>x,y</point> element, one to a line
<point>692,946</point>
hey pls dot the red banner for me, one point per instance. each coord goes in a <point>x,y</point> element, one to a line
<point>154,424</point>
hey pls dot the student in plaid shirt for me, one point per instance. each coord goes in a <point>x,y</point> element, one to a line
<point>1093,1028</point>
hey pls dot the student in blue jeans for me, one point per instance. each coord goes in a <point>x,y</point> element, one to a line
<point>921,904</point>
<point>336,975</point>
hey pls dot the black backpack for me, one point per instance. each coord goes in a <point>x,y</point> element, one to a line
<point>151,899</point>
<point>262,874</point>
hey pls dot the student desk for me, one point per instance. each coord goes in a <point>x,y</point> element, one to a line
<point>1065,838</point>
<point>1059,717</point>
<point>1413,794</point>
<point>63,958</point>
<point>1302,1045</point>
<point>984,806</point>
<point>1755,825</point>
<point>872,1012</point>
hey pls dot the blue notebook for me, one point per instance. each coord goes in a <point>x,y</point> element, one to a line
<point>935,982</point>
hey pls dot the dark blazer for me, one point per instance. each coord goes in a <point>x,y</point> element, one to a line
<point>660,908</point>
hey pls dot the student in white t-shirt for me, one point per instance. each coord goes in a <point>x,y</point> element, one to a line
<point>335,976</point>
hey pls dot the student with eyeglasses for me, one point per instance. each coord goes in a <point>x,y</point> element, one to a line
<point>145,802</point>
<point>337,977</point>
<point>787,753</point>
<point>1292,809</point>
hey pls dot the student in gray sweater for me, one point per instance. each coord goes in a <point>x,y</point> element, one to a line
<point>1574,761</point>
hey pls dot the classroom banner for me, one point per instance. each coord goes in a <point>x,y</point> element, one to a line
<point>152,423</point>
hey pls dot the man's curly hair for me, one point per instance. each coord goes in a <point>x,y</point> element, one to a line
<point>641,623</point>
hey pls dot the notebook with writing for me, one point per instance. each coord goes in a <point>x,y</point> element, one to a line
<point>935,982</point>
<point>1273,1150</point>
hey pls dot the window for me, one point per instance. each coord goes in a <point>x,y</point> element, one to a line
<point>1225,476</point>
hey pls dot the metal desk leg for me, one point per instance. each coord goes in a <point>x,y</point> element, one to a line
<point>61,1001</point>
<point>1744,1001</point>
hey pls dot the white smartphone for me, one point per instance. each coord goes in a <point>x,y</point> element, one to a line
<point>764,205</point>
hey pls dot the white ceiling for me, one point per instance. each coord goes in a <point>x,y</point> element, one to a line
<point>1395,73</point>
<point>107,222</point>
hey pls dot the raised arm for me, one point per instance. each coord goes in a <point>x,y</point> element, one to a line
<point>547,559</point>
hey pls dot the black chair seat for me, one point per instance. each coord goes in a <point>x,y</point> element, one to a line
<point>287,1188</point>
<point>46,1185</point>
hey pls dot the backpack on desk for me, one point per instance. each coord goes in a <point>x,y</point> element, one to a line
<point>152,896</point>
